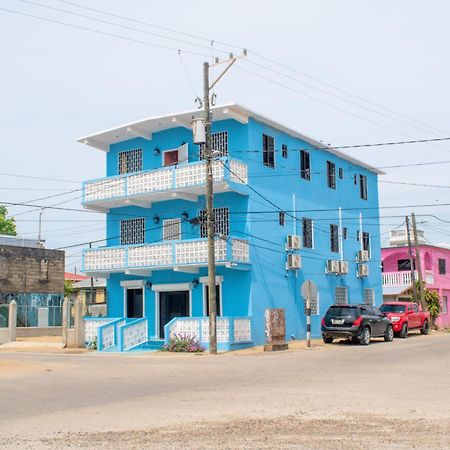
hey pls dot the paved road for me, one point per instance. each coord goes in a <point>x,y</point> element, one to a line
<point>335,395</point>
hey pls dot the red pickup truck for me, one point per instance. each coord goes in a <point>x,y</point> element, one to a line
<point>406,316</point>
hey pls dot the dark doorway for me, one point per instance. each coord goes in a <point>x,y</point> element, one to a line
<point>135,303</point>
<point>172,304</point>
<point>218,309</point>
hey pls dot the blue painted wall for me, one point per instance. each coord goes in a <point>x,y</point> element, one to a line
<point>267,284</point>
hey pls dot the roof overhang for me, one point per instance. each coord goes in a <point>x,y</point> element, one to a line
<point>146,127</point>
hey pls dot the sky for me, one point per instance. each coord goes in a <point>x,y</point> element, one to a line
<point>348,72</point>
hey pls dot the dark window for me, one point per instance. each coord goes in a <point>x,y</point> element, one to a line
<point>344,232</point>
<point>442,268</point>
<point>221,222</point>
<point>392,308</point>
<point>218,310</point>
<point>366,241</point>
<point>268,151</point>
<point>307,233</point>
<point>281,218</point>
<point>357,235</point>
<point>355,179</point>
<point>363,186</point>
<point>132,231</point>
<point>130,161</point>
<point>342,311</point>
<point>404,264</point>
<point>415,308</point>
<point>334,238</point>
<point>341,173</point>
<point>284,151</point>
<point>305,167</point>
<point>219,145</point>
<point>331,175</point>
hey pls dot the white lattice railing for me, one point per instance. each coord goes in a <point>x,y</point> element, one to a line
<point>133,334</point>
<point>91,325</point>
<point>404,278</point>
<point>177,177</point>
<point>229,329</point>
<point>192,251</point>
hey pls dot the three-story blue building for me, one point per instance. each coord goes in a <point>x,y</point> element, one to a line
<point>287,209</point>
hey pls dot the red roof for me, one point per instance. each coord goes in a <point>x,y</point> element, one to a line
<point>74,276</point>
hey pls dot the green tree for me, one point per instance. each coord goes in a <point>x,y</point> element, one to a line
<point>7,225</point>
<point>68,288</point>
<point>432,302</point>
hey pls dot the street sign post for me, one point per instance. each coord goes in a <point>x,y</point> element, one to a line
<point>309,292</point>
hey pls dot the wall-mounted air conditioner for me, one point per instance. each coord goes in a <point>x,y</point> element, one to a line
<point>293,262</point>
<point>293,242</point>
<point>343,267</point>
<point>363,256</point>
<point>332,266</point>
<point>363,270</point>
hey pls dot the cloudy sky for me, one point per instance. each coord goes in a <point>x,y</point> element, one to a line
<point>348,72</point>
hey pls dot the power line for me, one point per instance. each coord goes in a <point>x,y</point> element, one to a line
<point>104,33</point>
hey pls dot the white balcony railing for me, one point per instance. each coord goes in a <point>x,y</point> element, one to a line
<point>192,252</point>
<point>404,278</point>
<point>161,184</point>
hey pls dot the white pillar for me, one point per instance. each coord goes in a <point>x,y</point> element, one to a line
<point>12,320</point>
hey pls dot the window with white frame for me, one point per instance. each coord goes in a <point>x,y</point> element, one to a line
<point>444,304</point>
<point>315,306</point>
<point>334,238</point>
<point>369,296</point>
<point>366,241</point>
<point>341,295</point>
<point>171,229</point>
<point>130,161</point>
<point>219,145</point>
<point>221,222</point>
<point>363,187</point>
<point>132,231</point>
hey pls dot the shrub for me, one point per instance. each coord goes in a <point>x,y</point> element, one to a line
<point>92,344</point>
<point>183,343</point>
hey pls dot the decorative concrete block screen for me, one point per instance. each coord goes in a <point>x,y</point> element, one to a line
<point>107,258</point>
<point>341,295</point>
<point>240,250</point>
<point>91,326</point>
<point>101,190</point>
<point>108,335</point>
<point>197,251</point>
<point>155,180</point>
<point>134,334</point>
<point>242,330</point>
<point>223,330</point>
<point>369,296</point>
<point>239,172</point>
<point>150,255</point>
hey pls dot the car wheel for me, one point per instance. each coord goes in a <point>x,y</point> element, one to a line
<point>425,328</point>
<point>389,334</point>
<point>327,339</point>
<point>404,331</point>
<point>365,338</point>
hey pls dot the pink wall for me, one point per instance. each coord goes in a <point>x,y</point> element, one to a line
<point>429,257</point>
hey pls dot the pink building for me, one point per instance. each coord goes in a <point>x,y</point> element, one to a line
<point>397,277</point>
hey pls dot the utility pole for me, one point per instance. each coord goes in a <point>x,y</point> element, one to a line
<point>40,227</point>
<point>208,153</point>
<point>92,283</point>
<point>418,263</point>
<point>411,259</point>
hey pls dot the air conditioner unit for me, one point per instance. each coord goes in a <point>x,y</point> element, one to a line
<point>332,266</point>
<point>293,262</point>
<point>363,270</point>
<point>363,256</point>
<point>343,267</point>
<point>293,242</point>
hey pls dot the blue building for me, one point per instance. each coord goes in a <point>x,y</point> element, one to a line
<point>287,209</point>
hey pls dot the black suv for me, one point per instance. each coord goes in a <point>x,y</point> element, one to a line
<point>356,322</point>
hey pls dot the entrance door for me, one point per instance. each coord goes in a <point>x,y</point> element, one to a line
<point>172,304</point>
<point>135,305</point>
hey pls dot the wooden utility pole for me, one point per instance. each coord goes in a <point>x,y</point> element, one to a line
<point>411,259</point>
<point>418,263</point>
<point>208,155</point>
<point>208,152</point>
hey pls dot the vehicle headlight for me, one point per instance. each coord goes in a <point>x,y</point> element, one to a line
<point>395,319</point>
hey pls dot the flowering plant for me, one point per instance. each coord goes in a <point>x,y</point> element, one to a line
<point>92,344</point>
<point>183,342</point>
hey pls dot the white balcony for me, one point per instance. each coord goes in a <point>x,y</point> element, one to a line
<point>184,181</point>
<point>180,256</point>
<point>404,278</point>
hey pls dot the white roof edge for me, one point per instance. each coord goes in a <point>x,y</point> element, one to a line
<point>242,109</point>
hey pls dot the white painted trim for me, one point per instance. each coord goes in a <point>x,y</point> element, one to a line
<point>172,287</point>
<point>140,133</point>
<point>157,312</point>
<point>133,283</point>
<point>205,280</point>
